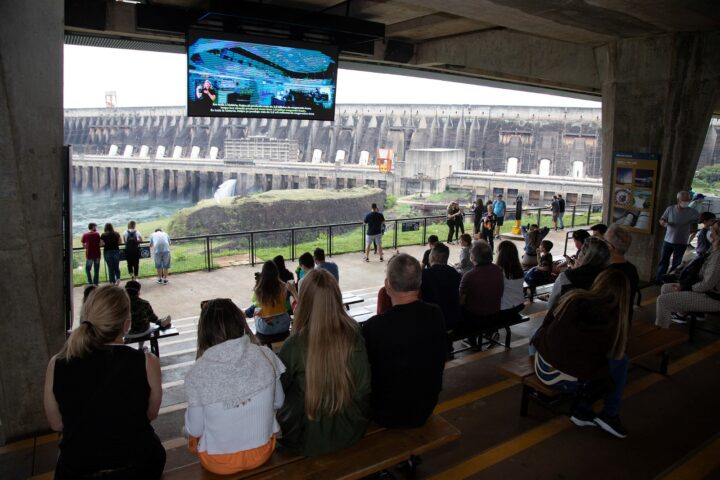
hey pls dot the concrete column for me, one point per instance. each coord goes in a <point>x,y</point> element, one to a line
<point>150,175</point>
<point>658,97</point>
<point>31,53</point>
<point>102,179</point>
<point>85,175</point>
<point>132,173</point>
<point>113,179</point>
<point>172,184</point>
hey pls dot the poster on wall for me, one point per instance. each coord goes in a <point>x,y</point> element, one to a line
<point>632,196</point>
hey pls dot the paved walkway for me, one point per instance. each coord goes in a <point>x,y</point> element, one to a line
<point>182,296</point>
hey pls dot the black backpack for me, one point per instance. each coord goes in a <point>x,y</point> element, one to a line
<point>131,244</point>
<point>690,274</point>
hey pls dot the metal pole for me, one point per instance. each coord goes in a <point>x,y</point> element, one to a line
<point>395,236</point>
<point>208,258</point>
<point>589,213</point>
<point>252,249</point>
<point>292,244</point>
<point>329,240</point>
<point>538,222</point>
<point>572,225</point>
<point>424,234</point>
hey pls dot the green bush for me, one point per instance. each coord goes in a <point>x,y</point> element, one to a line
<point>390,201</point>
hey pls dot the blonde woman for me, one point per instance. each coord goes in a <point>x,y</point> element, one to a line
<point>702,296</point>
<point>581,344</point>
<point>233,391</point>
<point>327,381</point>
<point>102,395</point>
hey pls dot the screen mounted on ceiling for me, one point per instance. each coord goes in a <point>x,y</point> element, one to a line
<point>236,76</point>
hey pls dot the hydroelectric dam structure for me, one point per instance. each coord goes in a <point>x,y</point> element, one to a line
<point>529,151</point>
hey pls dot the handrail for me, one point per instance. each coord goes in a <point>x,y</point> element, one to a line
<point>330,229</point>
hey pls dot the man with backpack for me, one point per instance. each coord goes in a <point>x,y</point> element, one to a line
<point>132,249</point>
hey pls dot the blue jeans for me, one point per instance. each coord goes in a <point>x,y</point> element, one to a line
<point>280,324</point>
<point>561,224</point>
<point>112,259</point>
<point>618,373</point>
<point>89,264</point>
<point>677,250</point>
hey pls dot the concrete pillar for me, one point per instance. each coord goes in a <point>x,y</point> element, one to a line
<point>658,96</point>
<point>150,176</point>
<point>94,178</point>
<point>103,179</point>
<point>85,182</point>
<point>113,179</point>
<point>172,184</point>
<point>131,182</point>
<point>31,53</point>
<point>181,182</point>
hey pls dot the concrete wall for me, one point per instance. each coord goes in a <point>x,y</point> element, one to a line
<point>31,138</point>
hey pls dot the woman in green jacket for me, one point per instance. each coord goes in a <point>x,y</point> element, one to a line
<point>327,381</point>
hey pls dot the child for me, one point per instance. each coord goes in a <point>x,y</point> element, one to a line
<point>544,251</point>
<point>432,240</point>
<point>465,264</point>
<point>540,275</point>
<point>488,227</point>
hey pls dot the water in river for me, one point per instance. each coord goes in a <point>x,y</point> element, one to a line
<point>118,209</point>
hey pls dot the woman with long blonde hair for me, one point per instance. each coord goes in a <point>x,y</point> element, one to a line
<point>327,381</point>
<point>102,395</point>
<point>581,348</point>
<point>233,391</point>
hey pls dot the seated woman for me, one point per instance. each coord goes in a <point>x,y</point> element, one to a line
<point>270,296</point>
<point>593,258</point>
<point>513,298</point>
<point>102,395</point>
<point>233,391</point>
<point>702,296</point>
<point>581,348</point>
<point>533,235</point>
<point>327,381</point>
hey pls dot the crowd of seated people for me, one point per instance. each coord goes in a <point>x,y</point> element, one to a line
<point>332,376</point>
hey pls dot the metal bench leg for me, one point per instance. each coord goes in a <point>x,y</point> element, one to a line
<point>508,336</point>
<point>154,347</point>
<point>691,327</point>
<point>664,361</point>
<point>524,400</point>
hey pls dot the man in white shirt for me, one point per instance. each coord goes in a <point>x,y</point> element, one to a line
<point>160,245</point>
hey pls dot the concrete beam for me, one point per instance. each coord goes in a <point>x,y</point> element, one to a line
<point>514,57</point>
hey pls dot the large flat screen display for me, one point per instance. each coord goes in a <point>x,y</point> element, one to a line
<point>235,76</point>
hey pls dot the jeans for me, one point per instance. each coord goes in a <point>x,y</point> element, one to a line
<point>451,230</point>
<point>112,259</point>
<point>89,264</point>
<point>618,373</point>
<point>561,224</point>
<point>280,324</point>
<point>677,250</point>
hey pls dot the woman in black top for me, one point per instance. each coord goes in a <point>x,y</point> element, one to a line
<point>478,212</point>
<point>111,240</point>
<point>102,395</point>
<point>452,212</point>
<point>459,222</point>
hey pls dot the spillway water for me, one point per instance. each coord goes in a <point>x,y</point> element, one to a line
<point>119,209</point>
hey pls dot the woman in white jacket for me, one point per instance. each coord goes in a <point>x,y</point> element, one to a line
<point>233,391</point>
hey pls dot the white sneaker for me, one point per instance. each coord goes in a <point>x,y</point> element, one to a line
<point>165,322</point>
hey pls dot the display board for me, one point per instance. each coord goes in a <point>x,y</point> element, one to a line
<point>229,75</point>
<point>633,190</point>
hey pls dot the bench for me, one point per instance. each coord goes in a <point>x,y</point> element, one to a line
<point>488,330</point>
<point>153,338</point>
<point>378,450</point>
<point>532,292</point>
<point>694,327</point>
<point>350,299</point>
<point>268,340</point>
<point>645,340</point>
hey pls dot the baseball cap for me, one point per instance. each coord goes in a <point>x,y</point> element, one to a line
<point>698,196</point>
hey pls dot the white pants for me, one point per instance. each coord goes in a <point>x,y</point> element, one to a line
<point>671,300</point>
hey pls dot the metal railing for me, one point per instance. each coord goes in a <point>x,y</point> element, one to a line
<point>204,252</point>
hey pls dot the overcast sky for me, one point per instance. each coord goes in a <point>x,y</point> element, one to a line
<point>149,79</point>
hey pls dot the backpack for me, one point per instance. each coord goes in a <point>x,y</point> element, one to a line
<point>132,244</point>
<point>690,274</point>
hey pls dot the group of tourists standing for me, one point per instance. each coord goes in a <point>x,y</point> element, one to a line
<point>110,241</point>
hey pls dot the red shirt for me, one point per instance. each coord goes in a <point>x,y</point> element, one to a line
<point>482,288</point>
<point>91,242</point>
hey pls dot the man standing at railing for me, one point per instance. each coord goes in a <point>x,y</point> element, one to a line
<point>374,221</point>
<point>160,245</point>
<point>561,211</point>
<point>499,207</point>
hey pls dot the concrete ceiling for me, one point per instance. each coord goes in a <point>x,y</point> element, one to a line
<point>542,43</point>
<point>590,22</point>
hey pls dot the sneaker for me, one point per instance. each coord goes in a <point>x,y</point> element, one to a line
<point>165,281</point>
<point>366,259</point>
<point>159,280</point>
<point>382,259</point>
<point>583,418</point>
<point>677,318</point>
<point>611,425</point>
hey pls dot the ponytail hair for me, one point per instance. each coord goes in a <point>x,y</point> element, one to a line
<point>102,318</point>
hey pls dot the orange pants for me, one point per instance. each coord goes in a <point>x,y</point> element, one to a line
<point>227,463</point>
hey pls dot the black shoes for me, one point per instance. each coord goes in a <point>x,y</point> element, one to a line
<point>612,425</point>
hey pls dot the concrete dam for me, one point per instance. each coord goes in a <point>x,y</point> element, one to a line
<point>531,151</point>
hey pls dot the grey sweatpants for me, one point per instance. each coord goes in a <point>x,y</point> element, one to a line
<point>671,300</point>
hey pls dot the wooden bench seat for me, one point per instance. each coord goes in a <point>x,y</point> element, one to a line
<point>645,340</point>
<point>378,450</point>
<point>153,338</point>
<point>487,329</point>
